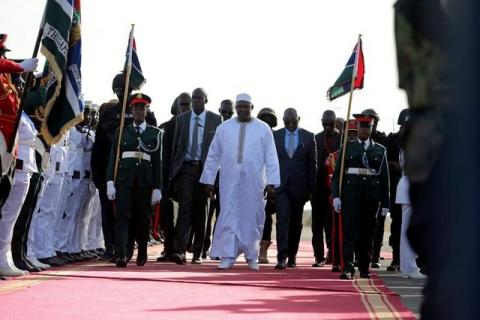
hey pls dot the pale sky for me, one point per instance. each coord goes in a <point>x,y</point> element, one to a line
<point>284,53</point>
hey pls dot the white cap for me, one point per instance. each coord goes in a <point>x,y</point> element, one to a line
<point>243,97</point>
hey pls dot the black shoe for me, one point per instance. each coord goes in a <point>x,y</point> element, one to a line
<point>318,264</point>
<point>142,259</point>
<point>52,261</point>
<point>393,267</point>
<point>107,256</point>
<point>23,265</point>
<point>163,257</point>
<point>336,268</point>
<point>347,275</point>
<point>204,255</point>
<point>78,257</point>
<point>121,262</point>
<point>178,258</point>
<point>2,278</point>
<point>365,274</point>
<point>292,263</point>
<point>281,265</point>
<point>66,257</point>
<point>375,265</point>
<point>197,260</point>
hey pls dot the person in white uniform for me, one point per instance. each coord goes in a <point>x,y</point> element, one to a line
<point>25,166</point>
<point>42,235</point>
<point>244,150</point>
<point>408,257</point>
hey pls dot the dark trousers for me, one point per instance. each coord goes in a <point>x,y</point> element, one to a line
<point>378,239</point>
<point>213,210</point>
<point>108,221</point>
<point>22,225</point>
<point>359,224</point>
<point>267,228</point>
<point>395,229</point>
<point>132,220</point>
<point>167,224</point>
<point>289,223</point>
<point>191,209</point>
<point>322,213</point>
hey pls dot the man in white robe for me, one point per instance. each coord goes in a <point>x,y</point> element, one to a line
<point>244,150</point>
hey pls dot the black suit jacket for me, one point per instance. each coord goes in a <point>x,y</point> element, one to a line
<point>168,132</point>
<point>298,174</point>
<point>181,137</point>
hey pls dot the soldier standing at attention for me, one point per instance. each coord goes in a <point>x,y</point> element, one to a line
<point>364,195</point>
<point>139,171</point>
<point>108,123</point>
<point>378,137</point>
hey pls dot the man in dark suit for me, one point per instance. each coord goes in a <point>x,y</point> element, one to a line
<point>194,131</point>
<point>182,103</point>
<point>328,142</point>
<point>298,161</point>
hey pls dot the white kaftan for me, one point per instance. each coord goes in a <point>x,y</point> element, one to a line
<point>245,169</point>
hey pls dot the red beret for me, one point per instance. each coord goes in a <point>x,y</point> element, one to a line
<point>140,98</point>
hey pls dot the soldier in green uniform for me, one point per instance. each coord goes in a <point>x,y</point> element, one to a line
<point>364,194</point>
<point>138,182</point>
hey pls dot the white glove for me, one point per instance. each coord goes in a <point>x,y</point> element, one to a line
<point>29,65</point>
<point>92,188</point>
<point>384,212</point>
<point>337,204</point>
<point>111,191</point>
<point>156,196</point>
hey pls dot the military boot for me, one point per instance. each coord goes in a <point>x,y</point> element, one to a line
<point>263,254</point>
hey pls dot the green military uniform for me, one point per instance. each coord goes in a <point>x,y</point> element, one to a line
<point>365,190</point>
<point>139,172</point>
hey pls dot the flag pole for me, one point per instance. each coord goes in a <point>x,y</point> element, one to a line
<point>124,102</point>
<point>345,131</point>
<point>28,84</point>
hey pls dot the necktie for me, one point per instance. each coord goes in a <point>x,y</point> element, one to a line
<point>363,145</point>
<point>241,142</point>
<point>194,149</point>
<point>138,128</point>
<point>291,145</point>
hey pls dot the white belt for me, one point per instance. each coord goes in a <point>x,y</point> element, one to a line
<point>136,154</point>
<point>362,171</point>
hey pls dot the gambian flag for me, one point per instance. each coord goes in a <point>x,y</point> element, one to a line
<point>355,66</point>
<point>61,45</point>
<point>136,76</point>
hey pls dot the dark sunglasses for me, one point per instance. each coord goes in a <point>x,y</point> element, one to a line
<point>226,112</point>
<point>328,124</point>
<point>186,104</point>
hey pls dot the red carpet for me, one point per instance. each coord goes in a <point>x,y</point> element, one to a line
<point>95,290</point>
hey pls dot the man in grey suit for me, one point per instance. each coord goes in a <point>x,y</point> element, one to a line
<point>298,161</point>
<point>194,131</point>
